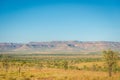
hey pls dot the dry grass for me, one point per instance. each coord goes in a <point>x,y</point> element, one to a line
<point>90,64</point>
<point>57,74</point>
<point>35,73</point>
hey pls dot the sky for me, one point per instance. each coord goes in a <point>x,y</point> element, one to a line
<point>59,20</point>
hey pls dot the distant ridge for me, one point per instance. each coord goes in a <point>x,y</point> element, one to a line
<point>88,46</point>
<point>22,48</point>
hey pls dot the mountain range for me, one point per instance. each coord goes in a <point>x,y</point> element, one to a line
<point>63,46</point>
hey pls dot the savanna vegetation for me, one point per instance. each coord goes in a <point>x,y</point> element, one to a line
<point>58,67</point>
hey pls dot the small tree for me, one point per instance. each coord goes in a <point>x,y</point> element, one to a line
<point>20,65</point>
<point>110,59</point>
<point>65,65</point>
<point>5,61</point>
<point>40,66</point>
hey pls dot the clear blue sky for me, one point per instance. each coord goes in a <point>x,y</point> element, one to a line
<point>55,20</point>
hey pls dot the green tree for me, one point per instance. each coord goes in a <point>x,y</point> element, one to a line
<point>65,65</point>
<point>110,58</point>
<point>5,61</point>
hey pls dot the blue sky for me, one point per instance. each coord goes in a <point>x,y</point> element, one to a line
<point>56,20</point>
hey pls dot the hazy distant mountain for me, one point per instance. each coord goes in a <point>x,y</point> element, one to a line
<point>61,46</point>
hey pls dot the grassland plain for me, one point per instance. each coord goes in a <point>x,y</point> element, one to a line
<point>54,67</point>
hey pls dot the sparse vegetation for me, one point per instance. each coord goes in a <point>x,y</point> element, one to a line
<point>37,67</point>
<point>111,58</point>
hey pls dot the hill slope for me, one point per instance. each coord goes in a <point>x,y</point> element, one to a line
<point>61,46</point>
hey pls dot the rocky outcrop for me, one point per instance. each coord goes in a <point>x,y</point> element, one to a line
<point>61,46</point>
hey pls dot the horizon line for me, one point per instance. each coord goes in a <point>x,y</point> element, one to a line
<point>60,41</point>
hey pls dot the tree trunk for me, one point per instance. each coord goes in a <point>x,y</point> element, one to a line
<point>110,71</point>
<point>19,70</point>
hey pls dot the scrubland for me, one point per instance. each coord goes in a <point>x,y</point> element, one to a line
<point>37,67</point>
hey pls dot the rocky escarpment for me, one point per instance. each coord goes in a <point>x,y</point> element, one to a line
<point>61,46</point>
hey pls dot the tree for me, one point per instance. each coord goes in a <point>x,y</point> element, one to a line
<point>65,65</point>
<point>5,61</point>
<point>20,65</point>
<point>110,58</point>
